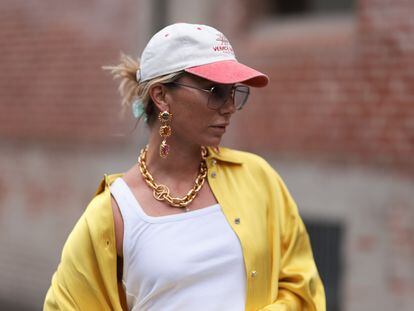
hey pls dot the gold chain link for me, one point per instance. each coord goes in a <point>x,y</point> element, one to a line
<point>162,192</point>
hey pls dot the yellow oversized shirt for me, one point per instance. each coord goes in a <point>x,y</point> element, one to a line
<point>280,269</point>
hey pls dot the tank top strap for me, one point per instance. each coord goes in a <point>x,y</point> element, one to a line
<point>126,203</point>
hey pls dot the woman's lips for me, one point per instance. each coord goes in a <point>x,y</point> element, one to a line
<point>219,127</point>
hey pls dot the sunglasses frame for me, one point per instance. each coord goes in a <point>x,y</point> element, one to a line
<point>240,88</point>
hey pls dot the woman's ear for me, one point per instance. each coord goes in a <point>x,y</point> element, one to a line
<point>158,94</point>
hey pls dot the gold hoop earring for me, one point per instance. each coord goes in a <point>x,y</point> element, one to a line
<point>165,131</point>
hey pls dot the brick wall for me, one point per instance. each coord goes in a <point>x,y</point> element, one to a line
<point>342,87</point>
<point>52,84</point>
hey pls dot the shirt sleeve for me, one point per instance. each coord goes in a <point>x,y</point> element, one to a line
<point>72,283</point>
<point>86,275</point>
<point>300,287</point>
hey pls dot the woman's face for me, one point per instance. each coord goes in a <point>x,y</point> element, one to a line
<point>193,121</point>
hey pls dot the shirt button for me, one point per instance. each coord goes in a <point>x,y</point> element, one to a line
<point>213,162</point>
<point>253,273</point>
<point>213,175</point>
<point>237,221</point>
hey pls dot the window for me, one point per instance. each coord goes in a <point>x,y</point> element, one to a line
<point>302,7</point>
<point>326,239</point>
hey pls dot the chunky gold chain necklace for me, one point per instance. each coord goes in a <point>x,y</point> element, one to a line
<point>162,192</point>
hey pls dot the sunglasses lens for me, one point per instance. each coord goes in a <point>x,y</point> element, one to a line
<point>218,95</point>
<point>241,93</point>
<point>221,93</point>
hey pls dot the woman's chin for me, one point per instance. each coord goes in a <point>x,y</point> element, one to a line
<point>212,141</point>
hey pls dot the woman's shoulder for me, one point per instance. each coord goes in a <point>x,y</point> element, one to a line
<point>247,159</point>
<point>249,165</point>
<point>101,200</point>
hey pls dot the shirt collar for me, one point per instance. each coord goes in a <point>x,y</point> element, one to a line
<point>224,155</point>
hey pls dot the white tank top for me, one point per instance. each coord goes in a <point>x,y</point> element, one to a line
<point>189,261</point>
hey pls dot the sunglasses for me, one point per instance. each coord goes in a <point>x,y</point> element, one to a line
<point>219,94</point>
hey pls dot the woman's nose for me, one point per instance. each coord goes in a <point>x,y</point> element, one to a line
<point>228,106</point>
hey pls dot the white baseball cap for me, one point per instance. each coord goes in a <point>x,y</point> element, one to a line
<point>197,49</point>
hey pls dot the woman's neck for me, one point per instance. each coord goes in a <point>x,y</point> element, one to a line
<point>181,164</point>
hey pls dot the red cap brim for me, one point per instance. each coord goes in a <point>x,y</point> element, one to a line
<point>230,72</point>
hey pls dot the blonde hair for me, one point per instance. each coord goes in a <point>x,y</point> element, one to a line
<point>131,90</point>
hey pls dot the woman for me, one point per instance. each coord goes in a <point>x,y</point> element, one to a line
<point>191,226</point>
